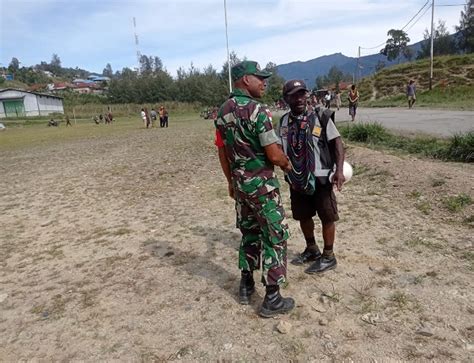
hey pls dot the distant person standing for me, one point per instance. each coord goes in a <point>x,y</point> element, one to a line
<point>327,100</point>
<point>353,101</point>
<point>147,118</point>
<point>163,117</point>
<point>411,93</point>
<point>143,116</point>
<point>338,100</point>
<point>68,122</point>
<point>153,115</point>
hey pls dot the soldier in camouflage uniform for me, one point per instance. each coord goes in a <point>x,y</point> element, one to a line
<point>248,150</point>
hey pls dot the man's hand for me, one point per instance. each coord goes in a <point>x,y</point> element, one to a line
<point>230,188</point>
<point>287,168</point>
<point>338,179</point>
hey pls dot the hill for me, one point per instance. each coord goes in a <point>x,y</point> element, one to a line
<point>453,83</point>
<point>320,66</point>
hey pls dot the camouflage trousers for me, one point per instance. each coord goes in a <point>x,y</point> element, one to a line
<point>264,235</point>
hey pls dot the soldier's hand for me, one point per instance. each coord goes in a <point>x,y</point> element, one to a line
<point>231,190</point>
<point>288,167</point>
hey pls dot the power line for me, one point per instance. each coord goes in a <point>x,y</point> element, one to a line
<point>411,26</point>
<point>383,43</point>
<point>419,11</point>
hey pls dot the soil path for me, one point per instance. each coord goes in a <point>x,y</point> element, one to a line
<point>123,247</point>
<point>428,121</point>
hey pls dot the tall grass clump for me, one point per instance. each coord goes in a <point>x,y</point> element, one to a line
<point>370,133</point>
<point>457,148</point>
<point>461,147</point>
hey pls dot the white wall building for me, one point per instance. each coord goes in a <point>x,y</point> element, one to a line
<point>19,103</point>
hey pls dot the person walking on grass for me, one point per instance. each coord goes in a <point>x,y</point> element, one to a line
<point>313,145</point>
<point>411,93</point>
<point>353,98</point>
<point>248,149</point>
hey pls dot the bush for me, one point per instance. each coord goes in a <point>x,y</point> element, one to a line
<point>371,133</point>
<point>458,148</point>
<point>461,147</point>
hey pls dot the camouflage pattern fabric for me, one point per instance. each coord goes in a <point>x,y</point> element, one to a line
<point>261,221</point>
<point>246,127</point>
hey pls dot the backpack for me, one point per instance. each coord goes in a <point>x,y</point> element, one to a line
<point>327,155</point>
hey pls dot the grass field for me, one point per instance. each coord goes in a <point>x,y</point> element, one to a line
<point>119,243</point>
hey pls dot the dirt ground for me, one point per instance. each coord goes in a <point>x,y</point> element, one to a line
<point>123,247</point>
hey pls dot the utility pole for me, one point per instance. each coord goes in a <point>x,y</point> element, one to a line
<point>227,42</point>
<point>136,44</point>
<point>357,75</point>
<point>431,51</point>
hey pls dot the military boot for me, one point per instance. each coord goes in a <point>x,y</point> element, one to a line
<point>274,304</point>
<point>247,287</point>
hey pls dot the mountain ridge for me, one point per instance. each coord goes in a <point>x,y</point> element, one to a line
<point>310,69</point>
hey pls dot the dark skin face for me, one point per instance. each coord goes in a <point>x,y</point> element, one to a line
<point>254,85</point>
<point>297,101</point>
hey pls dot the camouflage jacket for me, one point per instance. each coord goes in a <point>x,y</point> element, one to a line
<point>246,128</point>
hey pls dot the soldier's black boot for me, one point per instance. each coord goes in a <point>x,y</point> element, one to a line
<point>247,287</point>
<point>274,304</point>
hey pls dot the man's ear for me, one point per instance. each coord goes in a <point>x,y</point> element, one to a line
<point>245,79</point>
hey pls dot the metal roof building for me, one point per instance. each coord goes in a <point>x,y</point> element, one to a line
<point>20,103</point>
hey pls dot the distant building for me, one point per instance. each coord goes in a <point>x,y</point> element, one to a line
<point>85,88</point>
<point>99,79</point>
<point>20,103</point>
<point>80,80</point>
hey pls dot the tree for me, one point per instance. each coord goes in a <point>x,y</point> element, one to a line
<point>334,76</point>
<point>379,66</point>
<point>274,84</point>
<point>395,45</point>
<point>14,65</point>
<point>466,28</point>
<point>234,59</point>
<point>319,82</point>
<point>107,72</point>
<point>443,43</point>
<point>55,61</point>
<point>157,64</point>
<point>146,64</point>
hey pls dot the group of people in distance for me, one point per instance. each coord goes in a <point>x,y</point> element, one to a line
<point>307,146</point>
<point>107,118</point>
<point>149,117</point>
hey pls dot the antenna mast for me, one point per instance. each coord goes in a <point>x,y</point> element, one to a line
<point>136,44</point>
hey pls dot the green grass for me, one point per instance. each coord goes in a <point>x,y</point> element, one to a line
<point>453,84</point>
<point>22,133</point>
<point>457,148</point>
<point>457,202</point>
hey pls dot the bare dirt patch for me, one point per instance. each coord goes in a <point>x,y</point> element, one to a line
<point>124,247</point>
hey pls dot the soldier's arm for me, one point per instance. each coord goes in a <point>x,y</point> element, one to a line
<point>277,157</point>
<point>225,165</point>
<point>270,141</point>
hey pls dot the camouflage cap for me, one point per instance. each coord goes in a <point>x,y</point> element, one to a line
<point>248,67</point>
<point>293,86</point>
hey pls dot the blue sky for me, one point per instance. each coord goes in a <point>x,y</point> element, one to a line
<point>91,33</point>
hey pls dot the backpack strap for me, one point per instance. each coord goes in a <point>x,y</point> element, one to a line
<point>324,116</point>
